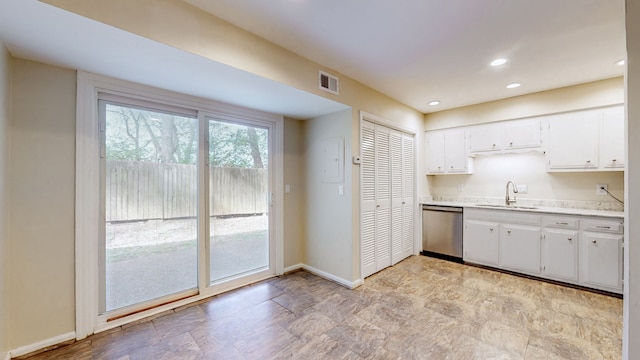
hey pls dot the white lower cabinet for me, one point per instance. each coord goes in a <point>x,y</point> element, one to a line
<point>560,254</point>
<point>580,250</point>
<point>520,248</point>
<point>481,243</point>
<point>601,261</point>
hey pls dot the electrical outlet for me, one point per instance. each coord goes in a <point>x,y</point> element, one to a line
<point>460,187</point>
<point>522,188</point>
<point>601,189</point>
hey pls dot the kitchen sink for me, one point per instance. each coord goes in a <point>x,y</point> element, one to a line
<point>497,206</point>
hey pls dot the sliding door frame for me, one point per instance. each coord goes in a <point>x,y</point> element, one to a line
<point>87,203</point>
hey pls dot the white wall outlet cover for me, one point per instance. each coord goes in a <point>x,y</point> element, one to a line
<point>522,188</point>
<point>357,160</point>
<point>460,187</point>
<point>600,191</point>
<point>340,189</point>
<point>287,188</point>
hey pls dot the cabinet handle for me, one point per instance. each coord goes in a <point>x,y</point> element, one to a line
<point>494,145</point>
<point>511,144</point>
<point>570,239</point>
<point>588,161</point>
<point>593,241</point>
<point>613,160</point>
<point>508,231</point>
<point>490,229</point>
<point>377,206</point>
<point>403,203</point>
<point>562,223</point>
<point>603,227</point>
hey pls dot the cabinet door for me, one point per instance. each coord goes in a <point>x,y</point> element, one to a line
<point>435,153</point>
<point>455,152</point>
<point>522,134</point>
<point>601,261</point>
<point>612,138</point>
<point>485,138</point>
<point>520,248</point>
<point>481,242</point>
<point>560,254</point>
<point>573,141</point>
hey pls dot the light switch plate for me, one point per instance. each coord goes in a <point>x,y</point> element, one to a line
<point>522,188</point>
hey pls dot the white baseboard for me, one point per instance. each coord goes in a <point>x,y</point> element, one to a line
<point>326,275</point>
<point>293,268</point>
<point>337,279</point>
<point>27,349</point>
<point>7,356</point>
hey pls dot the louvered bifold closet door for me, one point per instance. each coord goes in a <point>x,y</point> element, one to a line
<point>383,198</point>
<point>396,196</point>
<point>408,185</point>
<point>368,210</point>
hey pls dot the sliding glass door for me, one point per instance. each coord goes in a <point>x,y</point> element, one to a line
<point>153,159</point>
<point>149,245</point>
<point>239,196</point>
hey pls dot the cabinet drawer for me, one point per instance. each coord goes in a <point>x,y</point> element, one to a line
<point>560,222</point>
<point>609,226</point>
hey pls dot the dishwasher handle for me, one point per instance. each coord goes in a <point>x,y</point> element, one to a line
<point>442,208</point>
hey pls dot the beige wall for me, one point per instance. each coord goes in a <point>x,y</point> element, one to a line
<point>41,183</point>
<point>631,334</point>
<point>5,74</point>
<point>328,215</point>
<point>584,96</point>
<point>294,175</point>
<point>492,172</point>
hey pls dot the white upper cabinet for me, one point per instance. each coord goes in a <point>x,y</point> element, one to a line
<point>505,137</point>
<point>485,138</point>
<point>612,138</point>
<point>435,152</point>
<point>447,153</point>
<point>573,141</point>
<point>590,140</point>
<point>522,134</point>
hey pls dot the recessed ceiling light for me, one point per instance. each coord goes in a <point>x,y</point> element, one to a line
<point>434,102</point>
<point>620,62</point>
<point>498,62</point>
<point>513,85</point>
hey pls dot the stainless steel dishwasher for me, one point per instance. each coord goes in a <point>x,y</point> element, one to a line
<point>442,232</point>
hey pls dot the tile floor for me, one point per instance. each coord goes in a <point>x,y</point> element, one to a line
<point>422,308</point>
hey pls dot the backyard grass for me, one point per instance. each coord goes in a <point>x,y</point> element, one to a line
<point>131,252</point>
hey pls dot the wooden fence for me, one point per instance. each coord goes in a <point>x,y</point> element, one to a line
<point>142,191</point>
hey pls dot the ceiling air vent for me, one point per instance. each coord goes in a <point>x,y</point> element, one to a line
<point>328,82</point>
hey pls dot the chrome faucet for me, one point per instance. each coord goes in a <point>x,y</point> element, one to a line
<point>507,199</point>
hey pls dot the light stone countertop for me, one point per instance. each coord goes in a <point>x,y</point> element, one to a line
<point>526,208</point>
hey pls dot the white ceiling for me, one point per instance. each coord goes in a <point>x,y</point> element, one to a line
<point>36,31</point>
<point>412,50</point>
<point>421,50</point>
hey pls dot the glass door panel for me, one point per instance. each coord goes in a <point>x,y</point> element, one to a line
<point>149,247</point>
<point>239,202</point>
